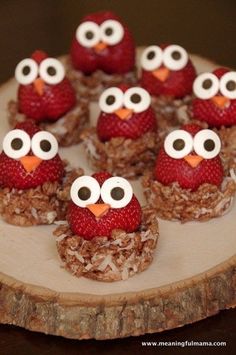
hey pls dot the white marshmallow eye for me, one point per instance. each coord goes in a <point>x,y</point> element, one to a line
<point>151,58</point>
<point>16,144</point>
<point>112,32</point>
<point>178,144</point>
<point>117,192</point>
<point>84,191</point>
<point>206,86</point>
<point>26,71</point>
<point>228,85</point>
<point>175,57</point>
<point>207,144</point>
<point>111,100</point>
<point>51,71</point>
<point>137,99</point>
<point>88,34</point>
<point>44,145</point>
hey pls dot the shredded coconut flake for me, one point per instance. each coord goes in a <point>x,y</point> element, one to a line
<point>232,174</point>
<point>91,149</point>
<point>34,213</point>
<point>113,267</point>
<point>60,223</point>
<point>79,257</point>
<point>61,237</point>
<point>88,267</point>
<point>59,127</point>
<point>51,216</point>
<point>104,263</point>
<point>125,274</point>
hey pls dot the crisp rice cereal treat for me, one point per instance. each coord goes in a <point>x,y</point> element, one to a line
<point>167,73</point>
<point>215,106</point>
<point>102,54</point>
<point>108,236</point>
<point>46,95</point>
<point>34,181</point>
<point>126,139</point>
<point>188,181</point>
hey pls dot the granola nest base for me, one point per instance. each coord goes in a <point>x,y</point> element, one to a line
<point>41,205</point>
<point>170,112</point>
<point>121,156</point>
<point>91,86</point>
<point>228,149</point>
<point>66,129</point>
<point>109,259</point>
<point>174,203</point>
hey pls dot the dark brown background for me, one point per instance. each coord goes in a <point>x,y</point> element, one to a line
<point>206,27</point>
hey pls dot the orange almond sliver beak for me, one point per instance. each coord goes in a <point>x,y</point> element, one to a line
<point>100,47</point>
<point>124,113</point>
<point>30,162</point>
<point>220,101</point>
<point>193,160</point>
<point>161,73</point>
<point>98,209</point>
<point>39,86</point>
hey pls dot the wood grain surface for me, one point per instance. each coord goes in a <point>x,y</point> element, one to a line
<point>26,24</point>
<point>192,276</point>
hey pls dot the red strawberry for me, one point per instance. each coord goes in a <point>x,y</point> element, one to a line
<point>118,58</point>
<point>175,83</point>
<point>169,170</point>
<point>40,100</point>
<point>54,103</point>
<point>28,126</point>
<point>216,111</point>
<point>111,126</point>
<point>13,174</point>
<point>101,177</point>
<point>84,223</point>
<point>125,122</point>
<point>39,55</point>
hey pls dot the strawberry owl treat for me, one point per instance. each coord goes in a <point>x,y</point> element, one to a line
<point>215,101</point>
<point>188,180</point>
<point>33,178</point>
<point>108,236</point>
<point>167,74</point>
<point>46,96</point>
<point>125,139</point>
<point>102,54</point>
<point>215,105</point>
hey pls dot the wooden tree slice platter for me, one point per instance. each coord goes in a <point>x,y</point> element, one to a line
<point>192,276</point>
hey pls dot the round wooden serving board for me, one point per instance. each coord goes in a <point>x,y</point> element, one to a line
<point>192,276</point>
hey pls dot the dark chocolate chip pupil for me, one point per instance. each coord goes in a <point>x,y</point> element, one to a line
<point>89,35</point>
<point>117,193</point>
<point>150,55</point>
<point>16,143</point>
<point>209,145</point>
<point>84,193</point>
<point>51,71</point>
<point>110,100</point>
<point>231,85</point>
<point>179,144</point>
<point>135,98</point>
<point>207,84</point>
<point>26,70</point>
<point>109,31</point>
<point>45,145</point>
<point>176,55</point>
